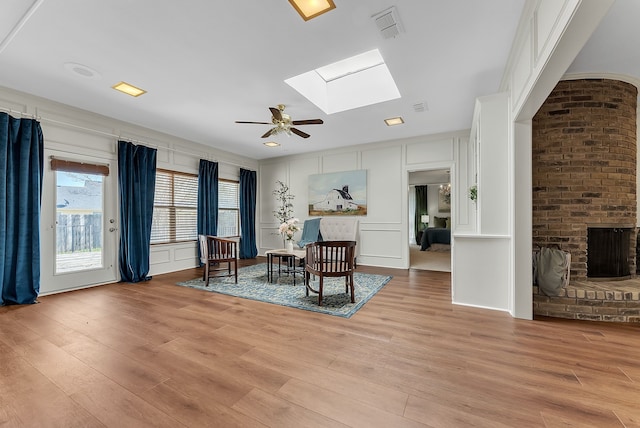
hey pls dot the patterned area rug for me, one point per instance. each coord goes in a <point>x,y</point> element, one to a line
<point>253,284</point>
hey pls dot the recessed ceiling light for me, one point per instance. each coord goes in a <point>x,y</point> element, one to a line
<point>81,70</point>
<point>309,9</point>
<point>394,121</point>
<point>129,89</point>
<point>271,144</point>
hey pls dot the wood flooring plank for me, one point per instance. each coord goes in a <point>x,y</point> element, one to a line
<point>365,391</point>
<point>629,418</point>
<point>158,354</point>
<point>20,383</point>
<point>343,408</point>
<point>276,412</point>
<point>114,406</point>
<point>436,414</point>
<point>66,371</point>
<point>11,331</point>
<point>125,371</point>
<point>557,418</point>
<point>198,410</point>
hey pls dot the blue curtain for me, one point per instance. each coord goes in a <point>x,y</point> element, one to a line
<point>136,183</point>
<point>21,166</point>
<point>248,184</point>
<point>208,198</point>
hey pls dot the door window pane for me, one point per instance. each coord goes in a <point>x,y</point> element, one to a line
<point>79,221</point>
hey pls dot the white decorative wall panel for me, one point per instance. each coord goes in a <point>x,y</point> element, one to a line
<point>430,151</point>
<point>546,19</point>
<point>159,255</point>
<point>522,69</point>
<point>163,157</point>
<point>301,170</point>
<point>268,175</point>
<point>13,105</point>
<point>188,252</point>
<point>381,243</point>
<point>336,162</point>
<point>464,179</point>
<point>183,161</point>
<point>481,272</point>
<point>384,179</point>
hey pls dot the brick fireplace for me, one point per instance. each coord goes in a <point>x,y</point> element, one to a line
<point>584,173</point>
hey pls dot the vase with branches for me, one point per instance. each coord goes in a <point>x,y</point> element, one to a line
<point>284,213</point>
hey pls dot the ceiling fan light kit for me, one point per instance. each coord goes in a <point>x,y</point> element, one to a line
<point>282,123</point>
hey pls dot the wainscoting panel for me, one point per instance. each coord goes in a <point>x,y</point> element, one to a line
<point>380,247</point>
<point>339,162</point>
<point>430,151</point>
<point>481,271</point>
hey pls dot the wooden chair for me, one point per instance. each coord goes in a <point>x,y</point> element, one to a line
<point>330,259</point>
<point>214,252</point>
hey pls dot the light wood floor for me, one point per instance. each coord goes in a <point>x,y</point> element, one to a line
<point>159,355</point>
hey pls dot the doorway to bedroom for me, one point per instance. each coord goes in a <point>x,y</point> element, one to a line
<point>430,220</point>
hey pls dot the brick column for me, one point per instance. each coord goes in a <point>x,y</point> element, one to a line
<point>584,165</point>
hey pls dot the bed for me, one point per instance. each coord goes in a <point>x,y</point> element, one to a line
<point>435,235</point>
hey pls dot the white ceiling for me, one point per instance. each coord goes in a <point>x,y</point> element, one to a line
<point>207,63</point>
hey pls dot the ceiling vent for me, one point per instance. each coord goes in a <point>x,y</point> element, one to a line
<point>420,107</point>
<point>388,22</point>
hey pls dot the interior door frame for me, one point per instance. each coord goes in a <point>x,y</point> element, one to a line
<point>444,166</point>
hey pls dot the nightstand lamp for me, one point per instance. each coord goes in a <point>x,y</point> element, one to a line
<point>425,220</point>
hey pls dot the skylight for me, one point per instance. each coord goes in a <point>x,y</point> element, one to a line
<point>354,82</point>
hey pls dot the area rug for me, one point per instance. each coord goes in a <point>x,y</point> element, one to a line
<point>253,284</point>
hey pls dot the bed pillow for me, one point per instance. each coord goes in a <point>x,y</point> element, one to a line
<point>440,222</point>
<point>448,222</point>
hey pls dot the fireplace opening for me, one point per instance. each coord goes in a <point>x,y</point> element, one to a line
<point>608,252</point>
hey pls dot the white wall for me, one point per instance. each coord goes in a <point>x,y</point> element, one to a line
<point>384,230</point>
<point>481,270</point>
<point>80,132</point>
<point>550,35</point>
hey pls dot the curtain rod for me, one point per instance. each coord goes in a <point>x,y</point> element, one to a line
<point>109,134</point>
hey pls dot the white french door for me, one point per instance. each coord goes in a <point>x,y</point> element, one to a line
<point>78,226</point>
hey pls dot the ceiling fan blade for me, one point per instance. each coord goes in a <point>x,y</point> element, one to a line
<point>269,132</point>
<point>258,123</point>
<point>277,114</point>
<point>300,133</point>
<point>308,122</point>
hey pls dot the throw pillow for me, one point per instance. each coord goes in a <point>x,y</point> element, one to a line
<point>439,222</point>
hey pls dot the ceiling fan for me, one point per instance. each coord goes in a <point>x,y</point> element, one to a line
<point>283,124</point>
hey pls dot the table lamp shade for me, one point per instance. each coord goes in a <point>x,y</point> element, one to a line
<point>424,218</point>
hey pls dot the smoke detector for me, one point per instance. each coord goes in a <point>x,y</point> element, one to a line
<point>388,22</point>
